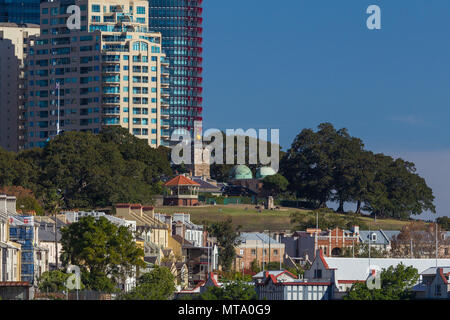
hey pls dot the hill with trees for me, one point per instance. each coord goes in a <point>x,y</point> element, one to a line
<point>330,165</point>
<point>89,170</point>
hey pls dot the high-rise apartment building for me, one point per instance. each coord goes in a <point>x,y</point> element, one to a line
<point>111,71</point>
<point>180,23</point>
<point>13,50</point>
<point>19,11</point>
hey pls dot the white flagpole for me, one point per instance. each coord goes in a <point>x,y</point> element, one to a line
<point>436,245</point>
<point>57,124</point>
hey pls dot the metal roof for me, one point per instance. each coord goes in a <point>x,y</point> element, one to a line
<point>358,268</point>
<point>256,236</point>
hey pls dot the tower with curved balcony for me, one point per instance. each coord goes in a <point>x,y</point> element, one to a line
<point>111,71</point>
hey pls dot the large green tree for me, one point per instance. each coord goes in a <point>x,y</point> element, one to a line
<point>396,284</point>
<point>331,165</point>
<point>53,281</point>
<point>105,253</point>
<point>157,284</point>
<point>275,184</point>
<point>308,164</point>
<point>89,170</point>
<point>444,223</point>
<point>227,240</point>
<point>233,290</point>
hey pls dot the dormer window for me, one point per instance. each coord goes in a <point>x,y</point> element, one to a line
<point>373,237</point>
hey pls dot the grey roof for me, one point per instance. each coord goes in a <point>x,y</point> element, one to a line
<point>432,271</point>
<point>256,236</point>
<point>206,185</point>
<point>152,260</point>
<point>47,232</point>
<point>391,234</point>
<point>358,268</point>
<point>381,237</point>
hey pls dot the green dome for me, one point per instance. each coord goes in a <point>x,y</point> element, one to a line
<point>241,172</point>
<point>263,172</point>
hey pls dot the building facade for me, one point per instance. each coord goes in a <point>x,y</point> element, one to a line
<point>23,11</point>
<point>13,50</point>
<point>181,191</point>
<point>281,285</point>
<point>10,252</point>
<point>258,247</point>
<point>188,230</point>
<point>180,23</point>
<point>111,71</point>
<point>434,284</point>
<point>34,258</point>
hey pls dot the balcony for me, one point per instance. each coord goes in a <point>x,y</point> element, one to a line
<point>165,72</point>
<point>165,82</point>
<point>165,114</point>
<point>165,124</point>
<point>164,61</point>
<point>111,69</point>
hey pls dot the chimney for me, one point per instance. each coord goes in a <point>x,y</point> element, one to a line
<point>149,211</point>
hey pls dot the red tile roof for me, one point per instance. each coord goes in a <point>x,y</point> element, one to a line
<point>181,181</point>
<point>441,273</point>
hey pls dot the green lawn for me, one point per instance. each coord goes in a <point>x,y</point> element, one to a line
<point>251,220</point>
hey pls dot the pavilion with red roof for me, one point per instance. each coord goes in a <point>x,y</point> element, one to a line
<point>181,191</point>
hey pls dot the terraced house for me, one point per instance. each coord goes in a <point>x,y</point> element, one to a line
<point>110,71</point>
<point>10,252</point>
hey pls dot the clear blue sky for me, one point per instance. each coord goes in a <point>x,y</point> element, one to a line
<point>293,64</point>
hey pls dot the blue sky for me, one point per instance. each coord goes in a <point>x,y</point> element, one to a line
<point>293,64</point>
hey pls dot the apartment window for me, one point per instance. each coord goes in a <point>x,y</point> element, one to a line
<point>241,252</point>
<point>140,10</point>
<point>275,252</point>
<point>95,8</point>
<point>254,251</point>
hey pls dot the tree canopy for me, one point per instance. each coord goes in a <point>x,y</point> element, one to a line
<point>227,240</point>
<point>418,240</point>
<point>157,284</point>
<point>396,284</point>
<point>89,170</point>
<point>275,184</point>
<point>105,253</point>
<point>233,290</point>
<point>53,281</point>
<point>330,165</point>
